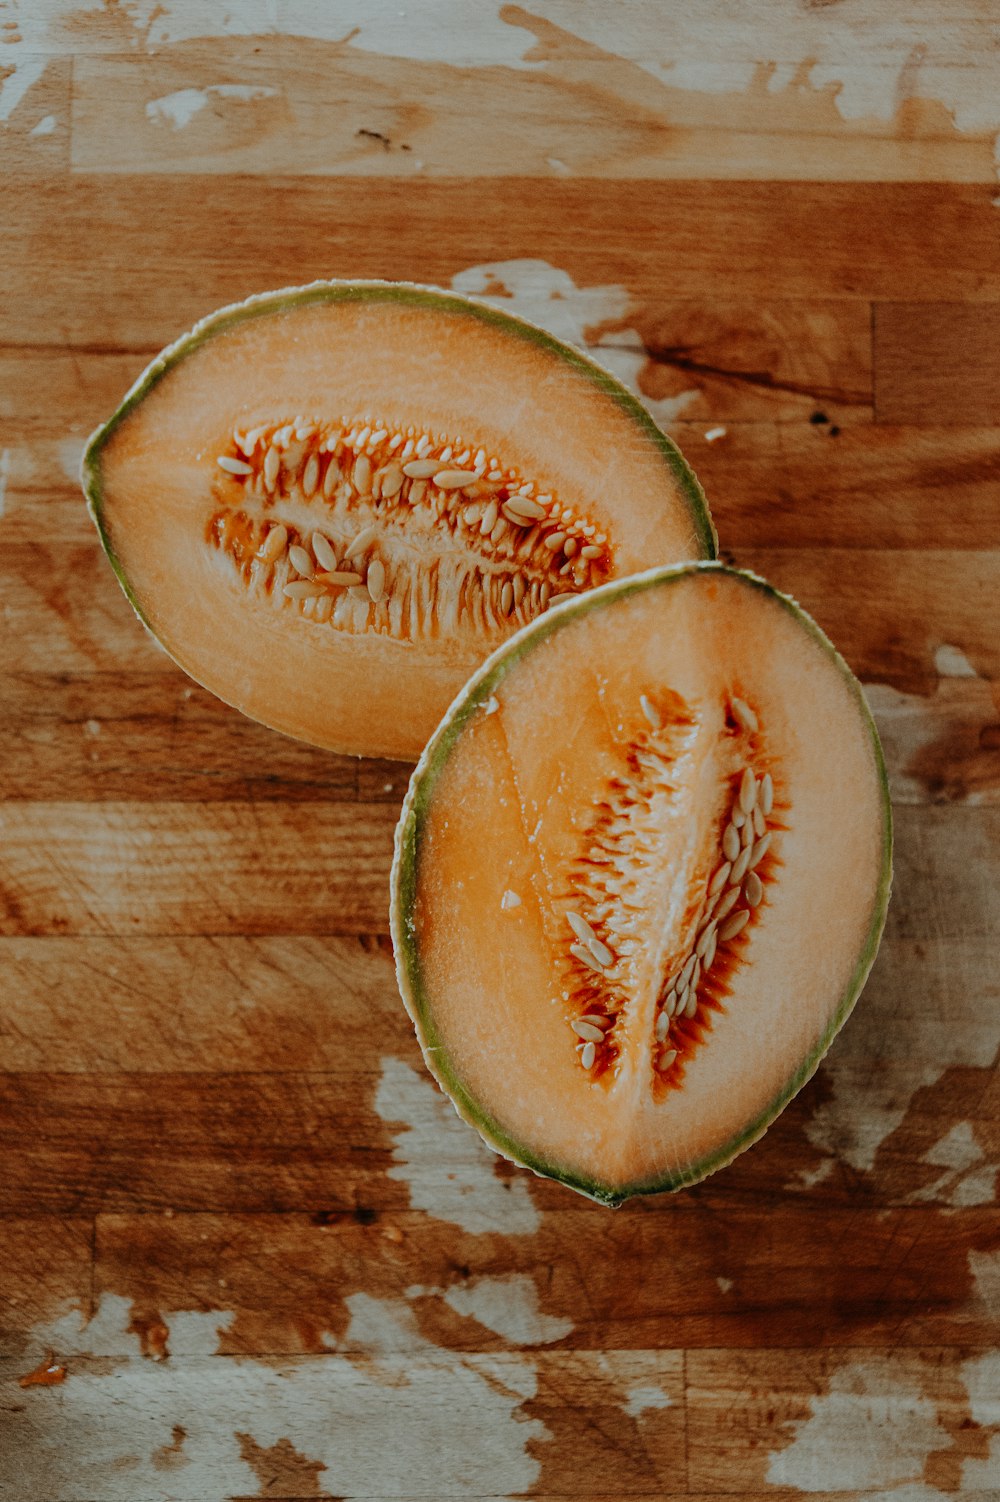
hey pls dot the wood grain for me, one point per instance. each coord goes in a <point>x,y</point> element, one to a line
<point>938,363</point>
<point>156,737</point>
<point>190,868</point>
<point>578,106</point>
<point>812,240</point>
<point>734,1277</point>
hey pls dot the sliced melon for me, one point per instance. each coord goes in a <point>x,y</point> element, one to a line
<point>330,503</point>
<point>641,874</point>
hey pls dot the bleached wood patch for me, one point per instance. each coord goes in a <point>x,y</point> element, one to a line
<point>448,1169</point>
<point>336,1410</point>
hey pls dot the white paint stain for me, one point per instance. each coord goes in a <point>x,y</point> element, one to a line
<point>951,662</point>
<point>45,126</point>
<point>448,1169</point>
<point>968,1180</point>
<point>179,108</point>
<point>25,71</point>
<point>872,1428</point>
<point>912,724</point>
<point>870,63</point>
<point>640,1400</point>
<point>725,1285</point>
<point>981,1375</point>
<point>506,1304</point>
<point>69,452</point>
<point>938,1015</point>
<point>335,1409</point>
<point>551,298</point>
<point>985,1270</point>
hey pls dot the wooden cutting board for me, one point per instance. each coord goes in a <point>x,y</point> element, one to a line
<point>236,1219</point>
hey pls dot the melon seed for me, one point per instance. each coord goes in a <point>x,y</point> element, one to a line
<point>344,577</point>
<point>731,842</point>
<point>454,479</point>
<point>734,925</point>
<point>310,475</point>
<point>707,935</point>
<point>392,481</point>
<point>300,561</point>
<point>587,1055</point>
<point>524,507</point>
<point>651,712</point>
<point>587,1031</point>
<point>666,1058</point>
<point>273,545</point>
<point>602,954</point>
<point>233,466</point>
<point>325,556</point>
<point>375,580</point>
<point>744,714</point>
<point>759,850</point>
<point>753,889</point>
<point>740,866</point>
<point>361,541</point>
<point>766,793</point>
<point>302,589</point>
<point>586,958</point>
<point>420,469</point>
<point>727,903</point>
<point>748,791</point>
<point>580,927</point>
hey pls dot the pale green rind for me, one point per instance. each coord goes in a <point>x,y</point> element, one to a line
<point>285,299</point>
<point>407,855</point>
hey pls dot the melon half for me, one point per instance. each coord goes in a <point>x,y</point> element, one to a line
<point>641,874</point>
<point>330,503</point>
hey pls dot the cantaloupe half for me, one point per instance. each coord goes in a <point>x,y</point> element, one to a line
<point>641,874</point>
<point>330,503</point>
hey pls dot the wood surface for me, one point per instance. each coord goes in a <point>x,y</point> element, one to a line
<point>236,1218</point>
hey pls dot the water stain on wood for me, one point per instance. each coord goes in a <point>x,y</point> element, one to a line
<point>153,1334</point>
<point>281,1470</point>
<point>167,1457</point>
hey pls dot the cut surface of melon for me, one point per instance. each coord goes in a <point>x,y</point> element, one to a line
<point>641,874</point>
<point>329,504</point>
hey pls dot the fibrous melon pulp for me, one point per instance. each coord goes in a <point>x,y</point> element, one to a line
<point>641,874</point>
<point>329,504</point>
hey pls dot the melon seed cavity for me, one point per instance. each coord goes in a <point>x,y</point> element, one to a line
<point>363,527</point>
<point>606,924</point>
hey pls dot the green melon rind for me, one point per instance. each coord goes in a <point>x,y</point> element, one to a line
<point>409,832</point>
<point>285,299</point>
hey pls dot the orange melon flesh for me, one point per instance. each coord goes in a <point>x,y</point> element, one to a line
<point>506,800</point>
<point>372,359</point>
